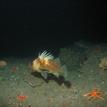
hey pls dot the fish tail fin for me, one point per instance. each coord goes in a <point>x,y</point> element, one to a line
<point>64,72</point>
<point>57,60</point>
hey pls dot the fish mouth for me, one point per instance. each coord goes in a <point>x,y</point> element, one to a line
<point>33,67</point>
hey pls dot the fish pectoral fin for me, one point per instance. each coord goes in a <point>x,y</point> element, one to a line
<point>44,74</point>
<point>56,74</point>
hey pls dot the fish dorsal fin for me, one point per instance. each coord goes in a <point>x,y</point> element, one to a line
<point>57,60</point>
<point>45,56</point>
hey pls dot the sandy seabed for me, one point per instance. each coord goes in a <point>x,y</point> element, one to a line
<point>20,88</point>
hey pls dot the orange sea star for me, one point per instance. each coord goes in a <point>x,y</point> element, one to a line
<point>94,94</point>
<point>21,98</point>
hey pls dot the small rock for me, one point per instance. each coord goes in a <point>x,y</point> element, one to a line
<point>2,63</point>
<point>103,63</point>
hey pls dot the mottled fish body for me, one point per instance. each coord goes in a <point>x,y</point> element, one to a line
<point>45,63</point>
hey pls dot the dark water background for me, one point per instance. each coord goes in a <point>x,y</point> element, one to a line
<point>27,27</point>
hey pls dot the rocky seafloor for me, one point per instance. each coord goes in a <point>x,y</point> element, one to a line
<point>86,72</point>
